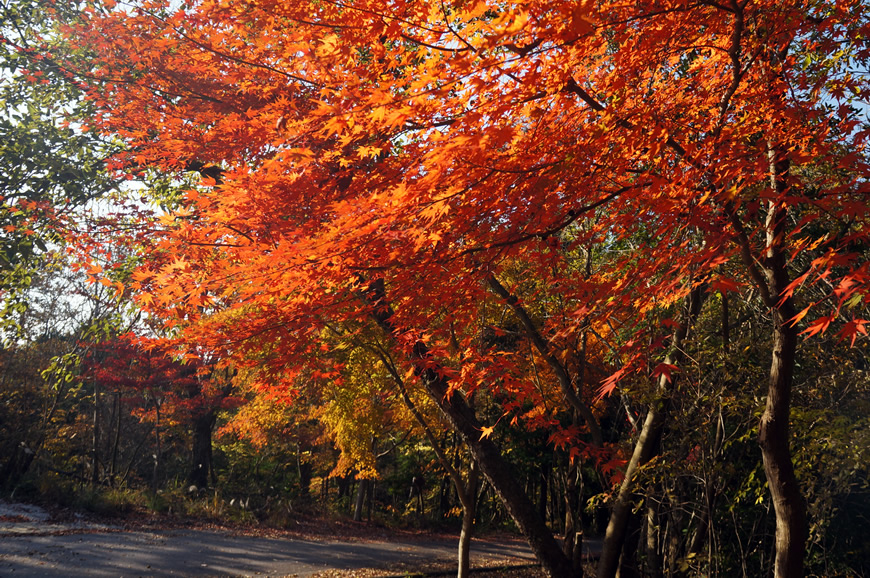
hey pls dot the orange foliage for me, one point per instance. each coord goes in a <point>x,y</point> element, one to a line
<point>434,144</point>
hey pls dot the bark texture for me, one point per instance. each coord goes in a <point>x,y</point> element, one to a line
<point>772,279</point>
<point>773,433</point>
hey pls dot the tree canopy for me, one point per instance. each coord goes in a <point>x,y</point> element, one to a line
<point>534,204</point>
<point>48,168</point>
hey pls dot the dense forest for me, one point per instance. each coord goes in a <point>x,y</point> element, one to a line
<point>571,268</point>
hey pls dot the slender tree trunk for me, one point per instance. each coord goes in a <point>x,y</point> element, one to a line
<point>577,554</point>
<point>704,532</point>
<point>373,486</point>
<point>773,438</point>
<point>488,456</point>
<point>467,495</point>
<point>303,470</point>
<point>95,445</point>
<point>773,435</point>
<point>646,446</point>
<point>677,521</point>
<point>117,441</point>
<point>543,490</point>
<point>644,450</point>
<point>134,456</point>
<point>653,556</point>
<point>572,506</point>
<point>465,490</point>
<point>361,492</point>
<point>444,487</point>
<point>155,480</point>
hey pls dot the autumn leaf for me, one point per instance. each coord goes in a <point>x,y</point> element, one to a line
<point>665,370</point>
<point>852,329</point>
<point>819,326</point>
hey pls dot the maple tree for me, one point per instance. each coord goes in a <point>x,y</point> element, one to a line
<point>383,164</point>
<point>168,393</point>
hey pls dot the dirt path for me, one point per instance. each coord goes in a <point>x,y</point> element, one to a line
<point>33,545</point>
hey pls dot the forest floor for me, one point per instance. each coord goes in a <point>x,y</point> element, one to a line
<point>39,542</point>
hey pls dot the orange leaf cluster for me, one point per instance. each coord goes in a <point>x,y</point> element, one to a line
<point>432,145</point>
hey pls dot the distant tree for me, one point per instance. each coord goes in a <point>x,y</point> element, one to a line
<point>168,394</point>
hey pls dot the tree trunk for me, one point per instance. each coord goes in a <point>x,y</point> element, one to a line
<point>495,469</point>
<point>201,463</point>
<point>155,480</point>
<point>503,481</point>
<point>773,434</point>
<point>468,513</point>
<point>704,532</point>
<point>113,472</point>
<point>577,555</point>
<point>444,491</point>
<point>95,442</point>
<point>373,486</point>
<point>343,484</point>
<point>304,472</point>
<point>653,562</point>
<point>361,492</point>
<point>572,508</point>
<point>773,437</point>
<point>465,490</point>
<point>546,470</point>
<point>646,446</point>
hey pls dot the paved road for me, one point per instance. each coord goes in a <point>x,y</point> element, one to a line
<point>209,553</point>
<point>32,544</point>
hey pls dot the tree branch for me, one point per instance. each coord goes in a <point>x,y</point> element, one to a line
<point>565,384</point>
